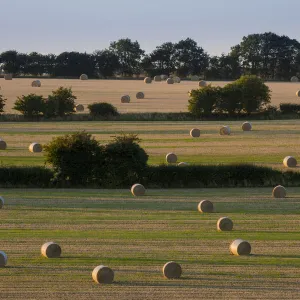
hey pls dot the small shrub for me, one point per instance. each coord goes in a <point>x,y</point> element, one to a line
<point>203,101</point>
<point>2,103</point>
<point>102,109</point>
<point>125,161</point>
<point>61,103</point>
<point>289,108</point>
<point>30,106</point>
<point>76,158</point>
<point>256,94</point>
<point>231,99</point>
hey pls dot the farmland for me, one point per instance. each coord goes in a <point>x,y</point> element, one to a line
<point>136,236</point>
<point>267,144</point>
<point>159,96</point>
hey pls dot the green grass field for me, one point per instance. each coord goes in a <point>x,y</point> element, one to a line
<point>267,144</point>
<point>136,236</point>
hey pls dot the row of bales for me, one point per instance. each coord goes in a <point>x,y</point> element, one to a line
<point>171,270</point>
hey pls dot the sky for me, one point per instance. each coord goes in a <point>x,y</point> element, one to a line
<point>54,26</point>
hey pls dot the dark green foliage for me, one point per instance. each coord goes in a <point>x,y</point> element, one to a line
<point>231,99</point>
<point>212,176</point>
<point>289,108</point>
<point>248,94</point>
<point>30,177</point>
<point>2,103</point>
<point>125,161</point>
<point>102,109</point>
<point>76,158</point>
<point>217,176</point>
<point>30,106</point>
<point>61,103</point>
<point>256,94</point>
<point>203,101</point>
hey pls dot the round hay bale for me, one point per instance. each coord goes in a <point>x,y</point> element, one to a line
<point>224,224</point>
<point>279,192</point>
<point>148,80</point>
<point>172,270</point>
<point>164,77</point>
<point>140,95</point>
<point>102,274</point>
<point>195,132</point>
<point>3,259</point>
<point>171,158</point>
<point>170,81</point>
<point>1,202</point>
<point>8,77</point>
<point>202,83</point>
<point>138,190</point>
<point>79,108</point>
<point>240,247</point>
<point>125,99</point>
<point>298,93</point>
<point>225,130</point>
<point>294,79</point>
<point>157,78</point>
<point>35,148</point>
<point>176,79</point>
<point>51,250</point>
<point>3,145</point>
<point>290,162</point>
<point>247,126</point>
<point>83,77</point>
<point>182,164</point>
<point>205,206</point>
<point>36,83</point>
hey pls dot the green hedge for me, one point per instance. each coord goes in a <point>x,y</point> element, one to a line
<point>164,177</point>
<point>30,177</point>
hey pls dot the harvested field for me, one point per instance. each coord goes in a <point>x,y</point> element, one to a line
<point>135,237</point>
<point>161,97</point>
<point>267,144</point>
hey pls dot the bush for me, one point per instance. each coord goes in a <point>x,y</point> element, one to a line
<point>125,161</point>
<point>230,100</point>
<point>30,106</point>
<point>61,103</point>
<point>256,94</point>
<point>2,103</point>
<point>76,158</point>
<point>218,176</point>
<point>215,176</point>
<point>102,109</point>
<point>203,101</point>
<point>30,177</point>
<point>289,108</point>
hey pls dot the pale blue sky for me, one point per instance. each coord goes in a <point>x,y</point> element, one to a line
<point>54,26</point>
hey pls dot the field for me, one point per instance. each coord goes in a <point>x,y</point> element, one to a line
<point>135,237</point>
<point>160,97</point>
<point>267,144</point>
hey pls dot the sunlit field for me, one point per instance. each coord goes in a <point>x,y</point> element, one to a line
<point>267,144</point>
<point>159,96</point>
<point>137,236</point>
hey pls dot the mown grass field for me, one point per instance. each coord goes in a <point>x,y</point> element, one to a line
<point>159,96</point>
<point>267,144</point>
<point>136,236</point>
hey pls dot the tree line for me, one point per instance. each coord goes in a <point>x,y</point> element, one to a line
<point>268,55</point>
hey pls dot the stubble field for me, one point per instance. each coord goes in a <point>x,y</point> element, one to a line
<point>267,144</point>
<point>137,236</point>
<point>160,97</point>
